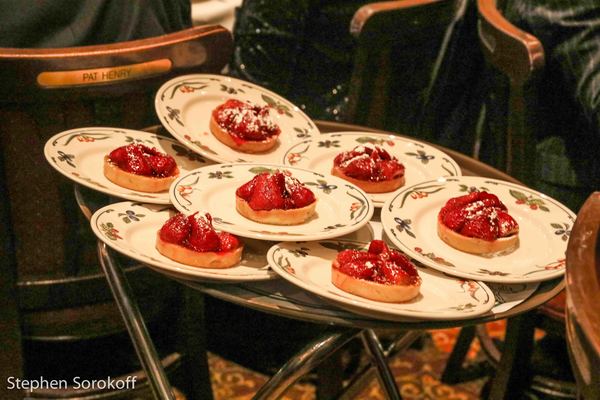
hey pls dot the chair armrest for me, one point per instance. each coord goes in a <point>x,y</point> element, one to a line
<point>514,52</point>
<point>362,15</point>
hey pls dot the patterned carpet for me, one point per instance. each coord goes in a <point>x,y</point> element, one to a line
<point>417,373</point>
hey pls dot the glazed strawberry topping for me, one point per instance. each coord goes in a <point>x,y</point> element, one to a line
<point>379,264</point>
<point>479,215</point>
<point>143,160</point>
<point>197,233</point>
<point>369,164</point>
<point>245,121</point>
<point>278,190</point>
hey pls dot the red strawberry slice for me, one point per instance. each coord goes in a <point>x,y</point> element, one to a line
<point>119,156</point>
<point>303,196</point>
<point>506,224</point>
<point>203,237</point>
<point>491,199</point>
<point>268,191</point>
<point>460,201</point>
<point>360,168</point>
<point>162,165</point>
<point>245,191</point>
<point>480,227</point>
<point>176,229</point>
<point>136,162</point>
<point>360,269</point>
<point>391,170</point>
<point>378,247</point>
<point>378,264</point>
<point>346,256</point>
<point>390,273</point>
<point>454,218</point>
<point>300,195</point>
<point>131,158</point>
<point>267,194</point>
<point>369,164</point>
<point>228,241</point>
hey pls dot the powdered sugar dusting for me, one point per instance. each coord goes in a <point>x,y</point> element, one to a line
<point>245,120</point>
<point>355,158</point>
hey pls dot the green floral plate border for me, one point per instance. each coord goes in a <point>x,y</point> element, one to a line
<point>78,154</point>
<point>184,106</point>
<point>308,265</point>
<point>422,161</point>
<point>342,208</point>
<point>130,228</point>
<point>409,219</point>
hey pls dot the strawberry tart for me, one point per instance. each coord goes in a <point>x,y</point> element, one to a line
<point>373,170</point>
<point>380,274</point>
<point>275,198</point>
<point>477,223</point>
<point>192,240</point>
<point>244,127</point>
<point>141,168</point>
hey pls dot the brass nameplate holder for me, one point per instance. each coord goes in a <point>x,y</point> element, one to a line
<point>95,76</point>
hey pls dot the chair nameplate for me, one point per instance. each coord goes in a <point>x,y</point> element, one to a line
<point>56,79</point>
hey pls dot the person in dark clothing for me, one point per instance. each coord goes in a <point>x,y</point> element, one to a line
<point>301,49</point>
<point>68,23</point>
<point>568,94</point>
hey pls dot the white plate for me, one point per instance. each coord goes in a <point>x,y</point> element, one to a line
<point>342,208</point>
<point>184,106</point>
<point>410,220</point>
<point>510,295</point>
<point>293,301</point>
<point>422,161</point>
<point>79,154</point>
<point>308,265</point>
<point>130,228</point>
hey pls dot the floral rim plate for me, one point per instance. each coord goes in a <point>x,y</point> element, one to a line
<point>409,220</point>
<point>185,104</point>
<point>510,295</point>
<point>342,208</point>
<point>130,228</point>
<point>422,161</point>
<point>292,300</point>
<point>308,265</point>
<point>79,154</point>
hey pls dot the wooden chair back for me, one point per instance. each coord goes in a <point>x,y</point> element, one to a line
<point>49,272</point>
<point>406,61</point>
<point>519,56</point>
<point>583,297</point>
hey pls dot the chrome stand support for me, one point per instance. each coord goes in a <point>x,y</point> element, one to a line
<point>376,354</point>
<point>303,362</point>
<point>135,325</point>
<point>363,377</point>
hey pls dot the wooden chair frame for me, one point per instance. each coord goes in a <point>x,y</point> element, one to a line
<point>583,297</point>
<point>43,92</point>
<point>519,56</point>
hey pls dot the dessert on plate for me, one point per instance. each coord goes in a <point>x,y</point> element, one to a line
<point>373,170</point>
<point>141,168</point>
<point>380,274</point>
<point>275,198</point>
<point>477,223</point>
<point>192,240</point>
<point>244,126</point>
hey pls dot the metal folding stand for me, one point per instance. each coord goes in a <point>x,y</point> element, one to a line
<point>375,352</point>
<point>135,324</point>
<point>318,350</point>
<point>128,308</point>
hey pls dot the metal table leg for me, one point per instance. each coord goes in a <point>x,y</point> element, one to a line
<point>368,373</point>
<point>375,353</point>
<point>303,362</point>
<point>135,324</point>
